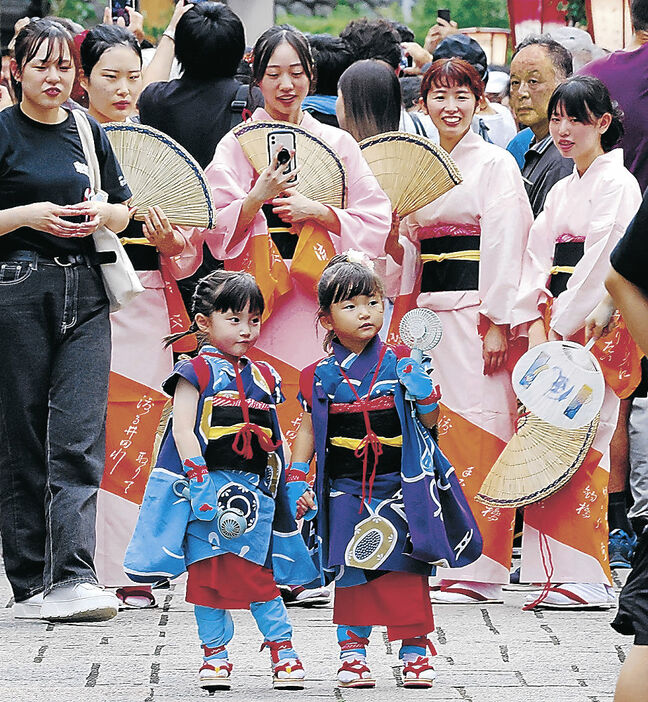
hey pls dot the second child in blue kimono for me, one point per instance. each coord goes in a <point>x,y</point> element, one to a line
<point>387,504</point>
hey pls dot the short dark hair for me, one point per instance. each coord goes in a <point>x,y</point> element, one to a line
<point>560,57</point>
<point>404,32</point>
<point>100,39</point>
<point>585,98</point>
<point>639,15</point>
<point>270,40</point>
<point>209,41</point>
<point>332,57</point>
<point>372,99</point>
<point>451,72</point>
<point>410,90</point>
<point>373,39</point>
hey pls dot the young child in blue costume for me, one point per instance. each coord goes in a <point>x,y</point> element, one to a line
<point>216,503</point>
<point>387,504</point>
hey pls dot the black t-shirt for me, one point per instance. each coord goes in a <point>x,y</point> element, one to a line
<point>45,163</point>
<point>194,113</point>
<point>630,255</point>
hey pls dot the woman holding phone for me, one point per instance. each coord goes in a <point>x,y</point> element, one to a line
<point>56,335</point>
<point>267,207</point>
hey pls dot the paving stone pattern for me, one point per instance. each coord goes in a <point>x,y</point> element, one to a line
<point>493,653</point>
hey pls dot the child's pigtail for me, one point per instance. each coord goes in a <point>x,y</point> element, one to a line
<point>172,338</point>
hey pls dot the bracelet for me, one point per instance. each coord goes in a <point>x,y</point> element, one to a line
<point>169,34</point>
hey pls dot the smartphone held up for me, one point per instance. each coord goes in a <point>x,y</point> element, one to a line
<point>118,9</point>
<point>283,142</point>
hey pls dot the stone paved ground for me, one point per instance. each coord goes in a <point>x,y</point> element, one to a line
<point>486,654</point>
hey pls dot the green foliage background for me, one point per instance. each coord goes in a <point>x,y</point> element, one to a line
<point>475,13</point>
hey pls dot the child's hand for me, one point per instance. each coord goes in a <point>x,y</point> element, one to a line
<point>413,376</point>
<point>305,504</point>
<point>202,492</point>
<point>301,498</point>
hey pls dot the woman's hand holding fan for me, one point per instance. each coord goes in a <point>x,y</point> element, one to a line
<point>158,230</point>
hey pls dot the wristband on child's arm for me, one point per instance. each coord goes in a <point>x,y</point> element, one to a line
<point>430,403</point>
<point>296,486</point>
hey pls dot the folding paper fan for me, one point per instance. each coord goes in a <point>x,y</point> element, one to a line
<point>322,175</point>
<point>536,462</point>
<point>161,172</point>
<point>411,169</point>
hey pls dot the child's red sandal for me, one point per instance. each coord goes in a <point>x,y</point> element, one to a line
<point>418,672</point>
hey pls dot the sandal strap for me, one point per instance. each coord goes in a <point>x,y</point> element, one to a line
<point>420,665</point>
<point>275,647</point>
<point>225,665</point>
<point>123,592</point>
<point>455,589</point>
<point>292,663</point>
<point>568,593</point>
<point>355,665</point>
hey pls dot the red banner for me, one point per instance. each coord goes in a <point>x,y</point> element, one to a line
<point>534,17</point>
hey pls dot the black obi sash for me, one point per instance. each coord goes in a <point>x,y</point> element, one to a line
<point>225,422</point>
<point>566,255</point>
<point>284,240</point>
<point>346,428</point>
<point>449,273</point>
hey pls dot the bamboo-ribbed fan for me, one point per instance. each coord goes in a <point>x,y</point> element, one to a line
<point>322,175</point>
<point>411,169</point>
<point>161,172</point>
<point>536,462</point>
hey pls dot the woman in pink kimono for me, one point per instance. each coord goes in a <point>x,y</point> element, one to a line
<point>471,242</point>
<point>567,259</point>
<point>260,212</point>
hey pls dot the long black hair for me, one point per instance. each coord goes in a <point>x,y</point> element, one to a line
<point>221,291</point>
<point>586,99</point>
<point>341,280</point>
<point>101,38</point>
<point>29,40</point>
<point>372,99</point>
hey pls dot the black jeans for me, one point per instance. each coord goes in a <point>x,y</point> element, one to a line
<point>54,366</point>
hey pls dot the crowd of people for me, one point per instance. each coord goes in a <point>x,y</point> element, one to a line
<point>282,464</point>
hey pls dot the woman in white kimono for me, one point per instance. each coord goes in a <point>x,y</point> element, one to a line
<point>564,269</point>
<point>471,243</point>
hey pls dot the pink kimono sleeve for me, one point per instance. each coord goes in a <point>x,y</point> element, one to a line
<point>187,261</point>
<point>505,222</point>
<point>231,178</point>
<point>611,213</point>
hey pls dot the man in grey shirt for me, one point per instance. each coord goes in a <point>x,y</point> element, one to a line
<point>538,66</point>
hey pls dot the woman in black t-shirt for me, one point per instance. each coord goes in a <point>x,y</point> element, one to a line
<point>56,336</point>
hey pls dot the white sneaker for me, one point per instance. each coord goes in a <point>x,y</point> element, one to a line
<point>81,602</point>
<point>29,608</point>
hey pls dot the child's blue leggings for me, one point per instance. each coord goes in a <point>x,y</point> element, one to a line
<point>216,628</point>
<point>349,634</point>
